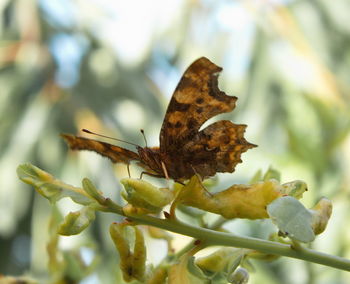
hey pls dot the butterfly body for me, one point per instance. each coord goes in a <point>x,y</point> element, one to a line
<point>152,158</point>
<point>184,149</point>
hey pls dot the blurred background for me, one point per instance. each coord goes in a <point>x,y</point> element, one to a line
<point>111,66</point>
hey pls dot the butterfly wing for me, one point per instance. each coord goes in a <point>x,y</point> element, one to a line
<point>196,99</point>
<point>218,147</point>
<point>114,153</point>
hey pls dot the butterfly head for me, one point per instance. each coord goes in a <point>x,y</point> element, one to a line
<point>151,157</point>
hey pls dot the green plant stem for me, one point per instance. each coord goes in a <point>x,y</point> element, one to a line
<point>216,225</point>
<point>210,237</point>
<point>35,176</point>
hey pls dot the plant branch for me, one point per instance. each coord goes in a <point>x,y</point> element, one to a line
<point>210,237</point>
<point>54,190</point>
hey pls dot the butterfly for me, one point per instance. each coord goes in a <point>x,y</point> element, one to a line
<point>184,149</point>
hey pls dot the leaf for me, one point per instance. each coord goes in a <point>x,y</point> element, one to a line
<point>321,213</point>
<point>91,190</point>
<point>56,264</point>
<point>49,187</point>
<point>271,173</point>
<point>223,259</point>
<point>237,201</point>
<point>132,264</point>
<point>179,273</point>
<point>239,276</point>
<point>195,270</point>
<point>145,195</point>
<point>292,218</point>
<point>256,177</point>
<point>122,245</point>
<point>139,255</point>
<point>295,188</point>
<point>76,222</point>
<point>159,275</point>
<point>158,233</point>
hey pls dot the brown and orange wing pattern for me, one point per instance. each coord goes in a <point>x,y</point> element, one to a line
<point>114,153</point>
<point>185,150</point>
<point>217,148</point>
<point>196,99</point>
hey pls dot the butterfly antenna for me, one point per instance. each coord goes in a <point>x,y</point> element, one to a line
<point>144,136</point>
<point>93,133</point>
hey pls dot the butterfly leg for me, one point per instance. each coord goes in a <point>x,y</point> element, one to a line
<point>128,168</point>
<point>165,171</point>
<point>195,172</point>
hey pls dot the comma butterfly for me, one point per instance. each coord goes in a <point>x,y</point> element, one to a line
<point>184,150</point>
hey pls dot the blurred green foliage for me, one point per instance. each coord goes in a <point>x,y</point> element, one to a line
<point>111,67</point>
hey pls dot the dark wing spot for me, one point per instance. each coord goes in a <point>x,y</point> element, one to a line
<point>176,106</point>
<point>208,136</point>
<point>191,123</point>
<point>178,124</point>
<point>199,100</point>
